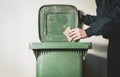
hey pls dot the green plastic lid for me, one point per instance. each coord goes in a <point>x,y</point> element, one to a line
<point>54,19</point>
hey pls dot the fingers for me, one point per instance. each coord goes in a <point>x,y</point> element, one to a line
<point>76,37</point>
<point>75,34</point>
<point>74,31</point>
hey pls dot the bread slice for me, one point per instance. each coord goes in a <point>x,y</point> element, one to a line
<point>66,33</point>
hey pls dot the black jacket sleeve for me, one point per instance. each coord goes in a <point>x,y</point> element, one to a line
<point>94,23</point>
<point>88,19</point>
<point>99,26</point>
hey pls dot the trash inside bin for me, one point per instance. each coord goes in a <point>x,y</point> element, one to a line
<point>55,56</point>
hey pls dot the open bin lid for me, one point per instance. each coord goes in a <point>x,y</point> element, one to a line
<point>54,19</point>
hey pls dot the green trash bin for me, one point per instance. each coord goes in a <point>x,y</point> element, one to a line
<point>55,56</point>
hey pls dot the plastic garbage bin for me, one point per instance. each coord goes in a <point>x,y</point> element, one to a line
<point>55,56</point>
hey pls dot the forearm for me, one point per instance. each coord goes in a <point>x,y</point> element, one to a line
<point>99,27</point>
<point>88,19</point>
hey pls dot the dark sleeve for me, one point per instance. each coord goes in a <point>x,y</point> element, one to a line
<point>102,25</point>
<point>97,27</point>
<point>88,19</point>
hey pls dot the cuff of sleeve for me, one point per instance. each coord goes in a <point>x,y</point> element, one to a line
<point>89,32</point>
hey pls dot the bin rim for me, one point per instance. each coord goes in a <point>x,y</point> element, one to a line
<point>60,45</point>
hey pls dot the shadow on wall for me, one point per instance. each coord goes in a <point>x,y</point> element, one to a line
<point>95,66</point>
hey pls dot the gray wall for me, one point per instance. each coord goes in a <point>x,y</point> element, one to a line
<point>18,27</point>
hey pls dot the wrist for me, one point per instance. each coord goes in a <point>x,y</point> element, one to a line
<point>84,34</point>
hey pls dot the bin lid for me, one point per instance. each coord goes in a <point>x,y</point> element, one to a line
<point>54,19</point>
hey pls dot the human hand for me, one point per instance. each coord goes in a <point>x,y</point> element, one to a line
<point>77,34</point>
